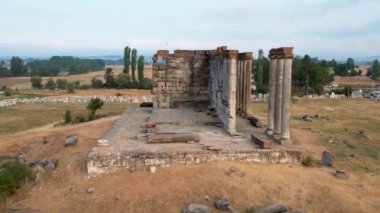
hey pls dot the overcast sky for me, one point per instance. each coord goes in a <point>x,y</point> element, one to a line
<point>323,28</point>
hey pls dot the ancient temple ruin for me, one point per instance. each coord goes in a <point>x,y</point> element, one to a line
<point>221,78</point>
<point>201,112</point>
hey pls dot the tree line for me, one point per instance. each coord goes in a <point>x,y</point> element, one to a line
<point>50,67</point>
<point>310,74</point>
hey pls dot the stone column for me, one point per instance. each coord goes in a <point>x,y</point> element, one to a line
<point>271,98</point>
<point>286,94</point>
<point>278,98</point>
<point>248,69</point>
<point>232,91</point>
<point>238,87</point>
<point>243,86</point>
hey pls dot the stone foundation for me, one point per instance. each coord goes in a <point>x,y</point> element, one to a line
<point>101,160</point>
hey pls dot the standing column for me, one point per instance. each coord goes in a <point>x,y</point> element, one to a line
<point>238,87</point>
<point>248,83</point>
<point>286,94</point>
<point>232,91</point>
<point>243,86</point>
<point>278,98</point>
<point>271,98</point>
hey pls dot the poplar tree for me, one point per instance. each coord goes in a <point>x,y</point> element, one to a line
<point>127,59</point>
<point>140,68</point>
<point>133,64</point>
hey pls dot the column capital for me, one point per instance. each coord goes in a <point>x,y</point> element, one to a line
<point>281,53</point>
<point>245,56</point>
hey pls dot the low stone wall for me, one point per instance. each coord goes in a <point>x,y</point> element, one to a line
<point>100,160</point>
<point>75,99</point>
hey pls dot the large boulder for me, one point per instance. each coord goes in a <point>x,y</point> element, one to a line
<point>196,208</point>
<point>71,140</point>
<point>222,203</point>
<point>50,164</point>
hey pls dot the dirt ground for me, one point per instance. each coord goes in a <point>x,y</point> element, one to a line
<point>356,81</point>
<point>170,189</point>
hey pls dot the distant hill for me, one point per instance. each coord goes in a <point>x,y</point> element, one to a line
<point>366,60</point>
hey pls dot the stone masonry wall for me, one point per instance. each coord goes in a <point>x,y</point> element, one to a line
<point>101,161</point>
<point>75,99</point>
<point>221,76</point>
<point>223,88</point>
<point>184,73</point>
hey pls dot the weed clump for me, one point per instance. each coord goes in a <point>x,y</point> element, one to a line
<point>12,177</point>
<point>309,161</point>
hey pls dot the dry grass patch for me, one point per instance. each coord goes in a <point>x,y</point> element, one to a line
<point>23,117</point>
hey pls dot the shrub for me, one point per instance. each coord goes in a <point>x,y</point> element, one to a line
<point>61,84</point>
<point>309,161</point>
<point>80,118</point>
<point>146,83</point>
<point>12,176</point>
<point>96,83</point>
<point>50,84</point>
<point>36,82</point>
<point>261,88</point>
<point>8,91</point>
<point>67,116</point>
<point>71,87</point>
<point>93,105</point>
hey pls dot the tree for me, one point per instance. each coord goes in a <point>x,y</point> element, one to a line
<point>260,71</point>
<point>93,105</point>
<point>341,70</point>
<point>332,63</point>
<point>140,68</point>
<point>354,73</point>
<point>70,87</point>
<point>375,71</point>
<point>17,67</point>
<point>108,77</point>
<point>319,76</point>
<point>4,71</point>
<point>61,84</point>
<point>36,82</point>
<point>127,59</point>
<point>350,64</point>
<point>306,66</point>
<point>50,84</point>
<point>133,64</point>
<point>96,83</point>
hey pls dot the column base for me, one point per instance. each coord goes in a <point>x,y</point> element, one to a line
<point>269,132</point>
<point>285,141</point>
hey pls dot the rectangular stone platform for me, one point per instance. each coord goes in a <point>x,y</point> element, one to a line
<point>125,145</point>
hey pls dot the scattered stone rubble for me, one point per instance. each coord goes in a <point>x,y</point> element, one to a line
<point>47,164</point>
<point>312,117</point>
<point>75,99</point>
